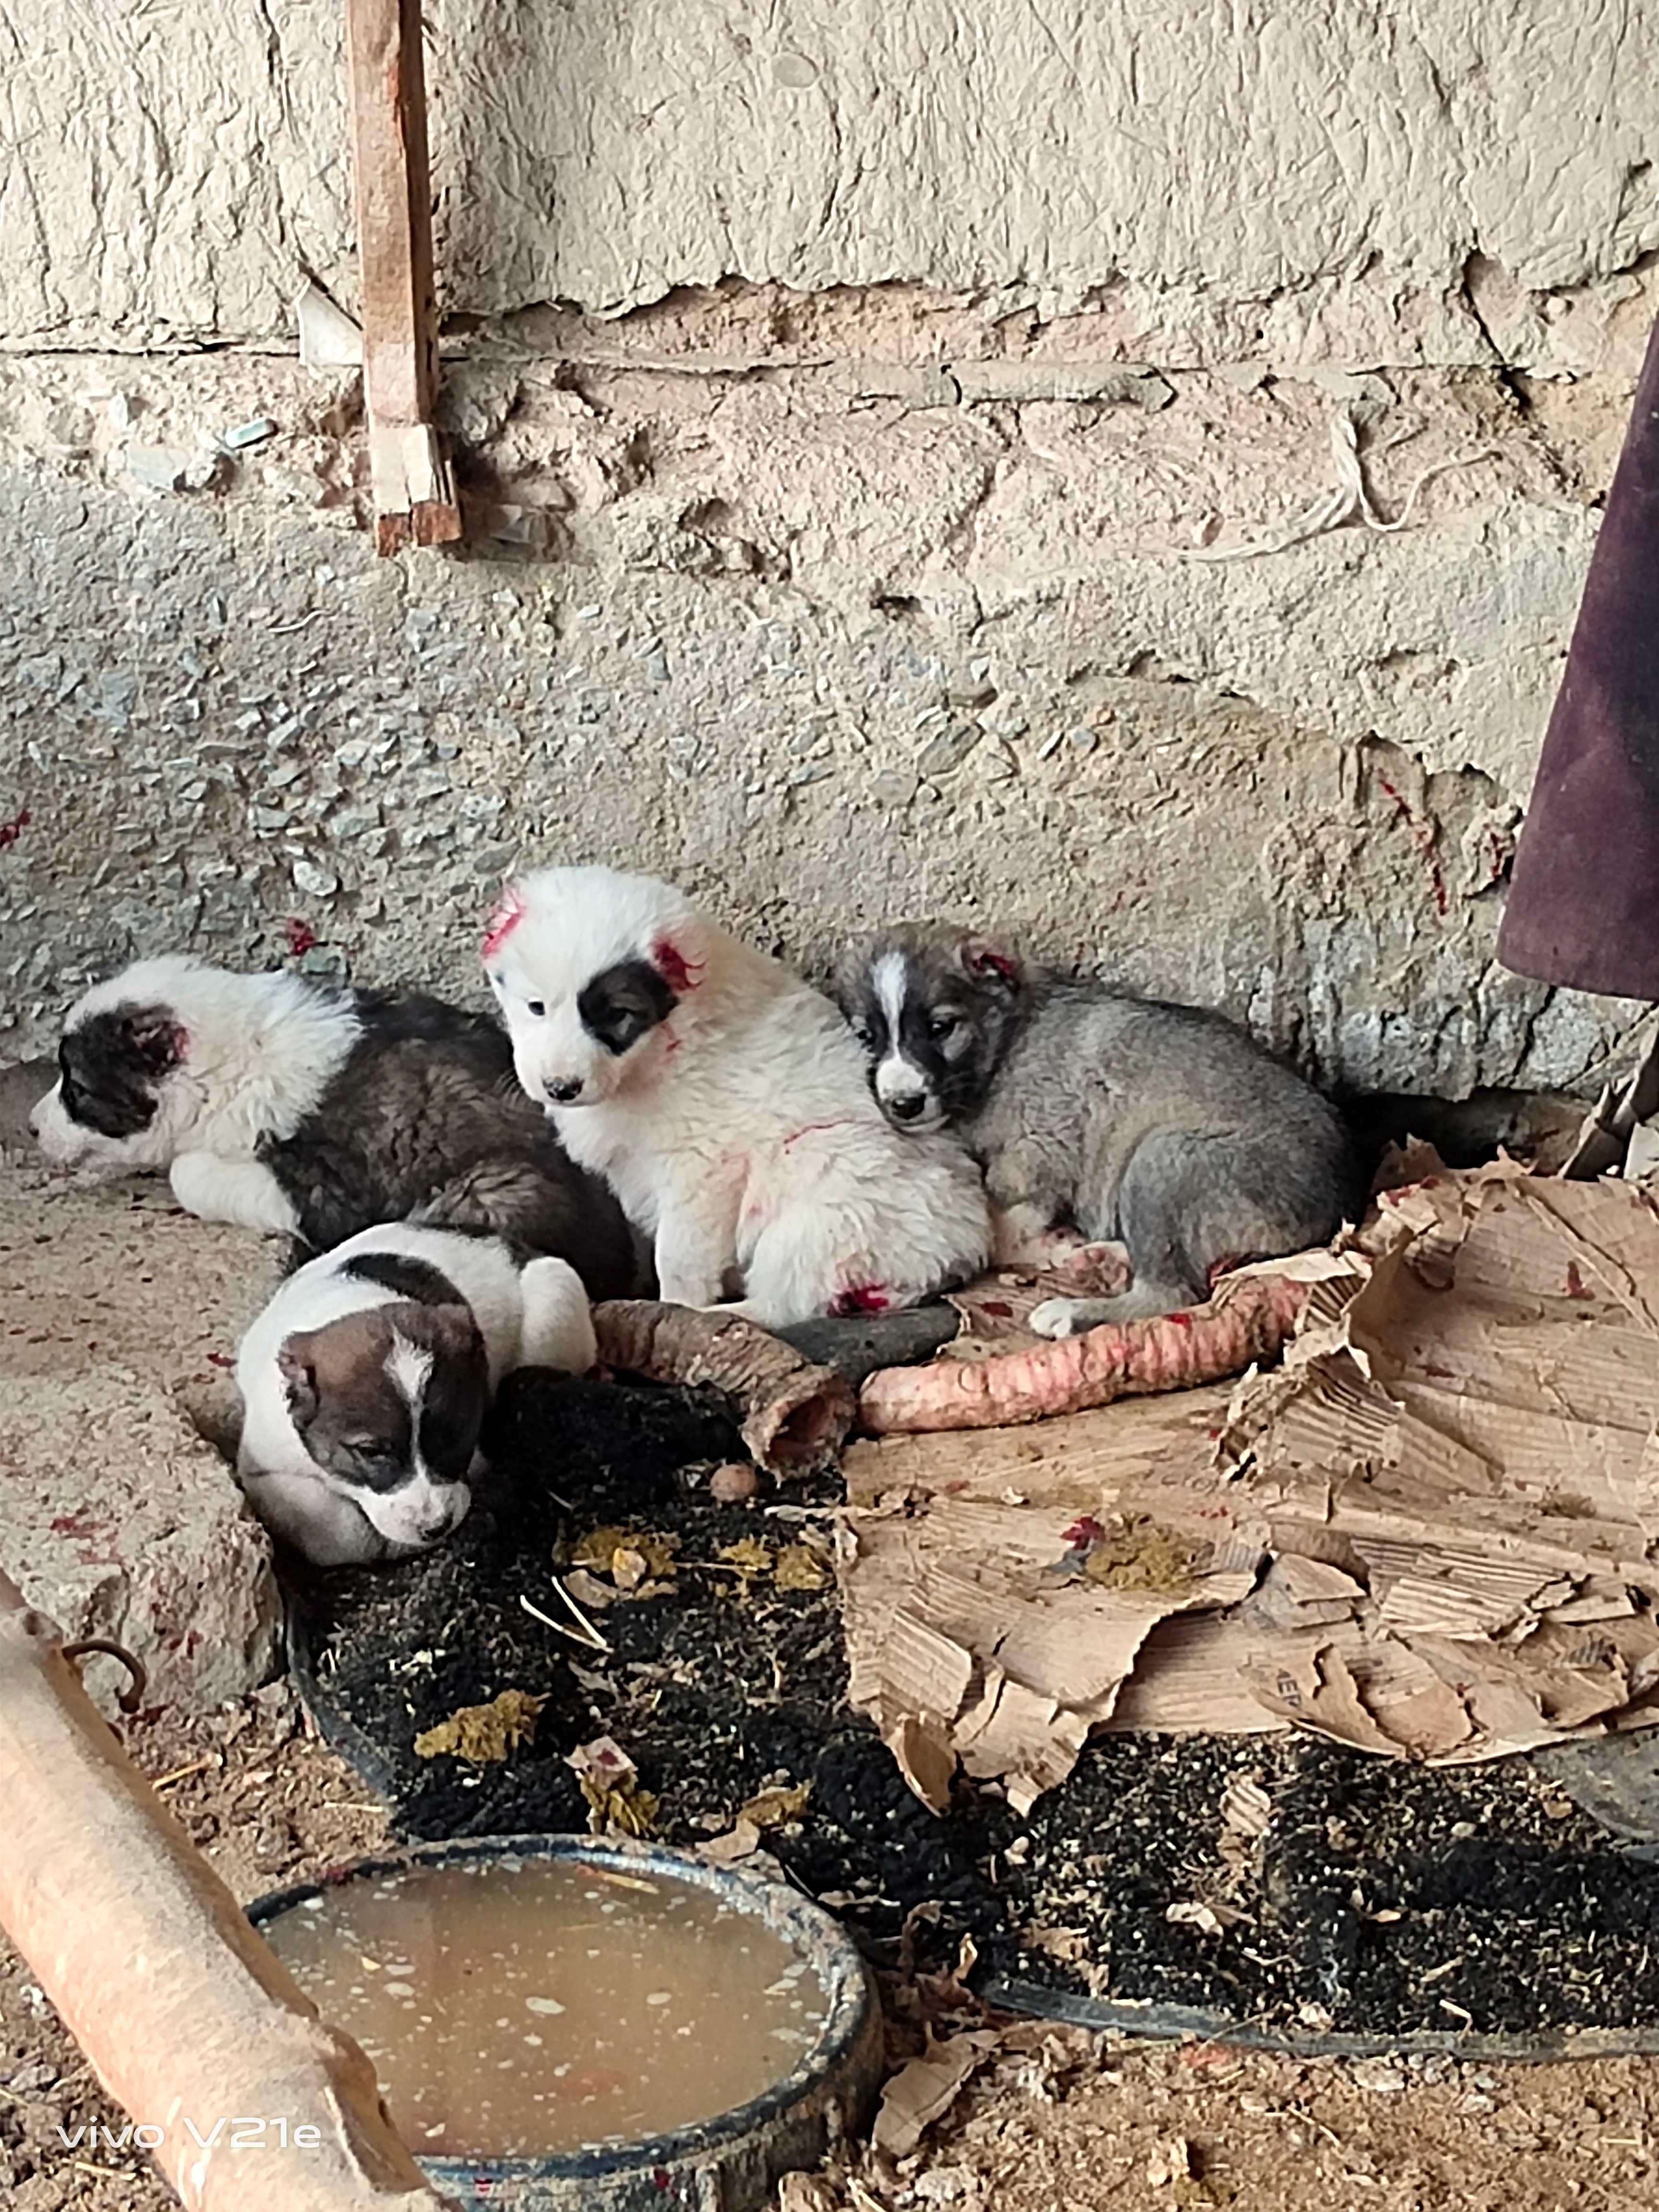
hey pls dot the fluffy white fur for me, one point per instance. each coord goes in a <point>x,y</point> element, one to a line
<point>260,1051</point>
<point>739,1132</point>
<point>534,1316</point>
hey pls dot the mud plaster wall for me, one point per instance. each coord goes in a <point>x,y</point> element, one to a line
<point>836,528</point>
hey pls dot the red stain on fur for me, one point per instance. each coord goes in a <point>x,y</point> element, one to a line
<point>982,959</point>
<point>861,1298</point>
<point>811,1129</point>
<point>300,936</point>
<point>680,974</point>
<point>12,830</point>
<point>503,919</point>
<point>1180,1317</point>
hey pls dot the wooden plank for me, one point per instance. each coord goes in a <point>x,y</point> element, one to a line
<point>414,495</point>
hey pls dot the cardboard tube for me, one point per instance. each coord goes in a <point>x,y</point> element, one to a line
<point>187,2017</point>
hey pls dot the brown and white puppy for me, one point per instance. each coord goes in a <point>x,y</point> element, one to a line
<point>365,1380</point>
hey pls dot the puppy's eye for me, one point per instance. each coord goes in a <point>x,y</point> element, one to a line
<point>864,1034</point>
<point>943,1025</point>
<point>534,1007</point>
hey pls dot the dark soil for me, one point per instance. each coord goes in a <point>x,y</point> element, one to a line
<point>1382,1899</point>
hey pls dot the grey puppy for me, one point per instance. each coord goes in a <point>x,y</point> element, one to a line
<point>1098,1117</point>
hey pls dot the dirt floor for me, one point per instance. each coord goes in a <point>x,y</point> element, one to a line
<point>1056,2121</point>
<point>1055,2118</point>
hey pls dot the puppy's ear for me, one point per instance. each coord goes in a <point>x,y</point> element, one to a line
<point>984,961</point>
<point>675,957</point>
<point>294,1362</point>
<point>454,1335</point>
<point>503,919</point>
<point>158,1041</point>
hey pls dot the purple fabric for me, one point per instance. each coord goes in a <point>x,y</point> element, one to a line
<point>1583,905</point>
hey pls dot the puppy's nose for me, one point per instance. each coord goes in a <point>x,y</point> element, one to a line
<point>908,1105</point>
<point>561,1093</point>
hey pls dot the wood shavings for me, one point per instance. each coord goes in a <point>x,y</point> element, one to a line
<point>1347,502</point>
<point>483,1734</point>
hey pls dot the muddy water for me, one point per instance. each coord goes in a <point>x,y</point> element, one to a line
<point>520,2006</point>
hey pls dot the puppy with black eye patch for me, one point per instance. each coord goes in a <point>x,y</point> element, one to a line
<point>365,1380</point>
<point>723,1102</point>
<point>278,1103</point>
<point>1098,1118</point>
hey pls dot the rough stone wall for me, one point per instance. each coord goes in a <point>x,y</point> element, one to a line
<point>848,549</point>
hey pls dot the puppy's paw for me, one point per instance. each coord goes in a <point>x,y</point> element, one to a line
<point>1057,1318</point>
<point>1097,1271</point>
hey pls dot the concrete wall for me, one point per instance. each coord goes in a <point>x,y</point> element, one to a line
<point>848,400</point>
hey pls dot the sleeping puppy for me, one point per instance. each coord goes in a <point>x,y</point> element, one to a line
<point>279,1104</point>
<point>1098,1117</point>
<point>365,1380</point>
<point>725,1103</point>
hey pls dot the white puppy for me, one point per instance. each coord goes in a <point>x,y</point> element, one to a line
<point>725,1101</point>
<point>365,1380</point>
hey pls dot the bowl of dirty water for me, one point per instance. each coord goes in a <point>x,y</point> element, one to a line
<point>557,2021</point>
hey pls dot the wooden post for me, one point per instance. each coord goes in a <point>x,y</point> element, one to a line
<point>414,496</point>
<point>246,2099</point>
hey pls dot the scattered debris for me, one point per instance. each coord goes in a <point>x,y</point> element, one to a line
<point>12,830</point>
<point>639,1562</point>
<point>800,1567</point>
<point>740,1841</point>
<point>925,2090</point>
<point>584,1589</point>
<point>584,1633</point>
<point>244,437</point>
<point>771,1808</point>
<point>481,1734</point>
<point>1432,1588</point>
<point>173,468</point>
<point>730,1484</point>
<point>611,1783</point>
<point>1246,1810</point>
<point>1171,2160</point>
<point>751,1557</point>
<point>804,2192</point>
<point>328,338</point>
<point>1136,1553</point>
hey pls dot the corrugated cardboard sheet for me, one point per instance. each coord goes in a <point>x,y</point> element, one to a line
<point>1426,1534</point>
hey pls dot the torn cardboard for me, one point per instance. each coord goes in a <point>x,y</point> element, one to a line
<point>1426,1534</point>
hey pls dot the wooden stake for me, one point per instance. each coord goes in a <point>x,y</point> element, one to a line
<point>414,496</point>
<point>246,2099</point>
